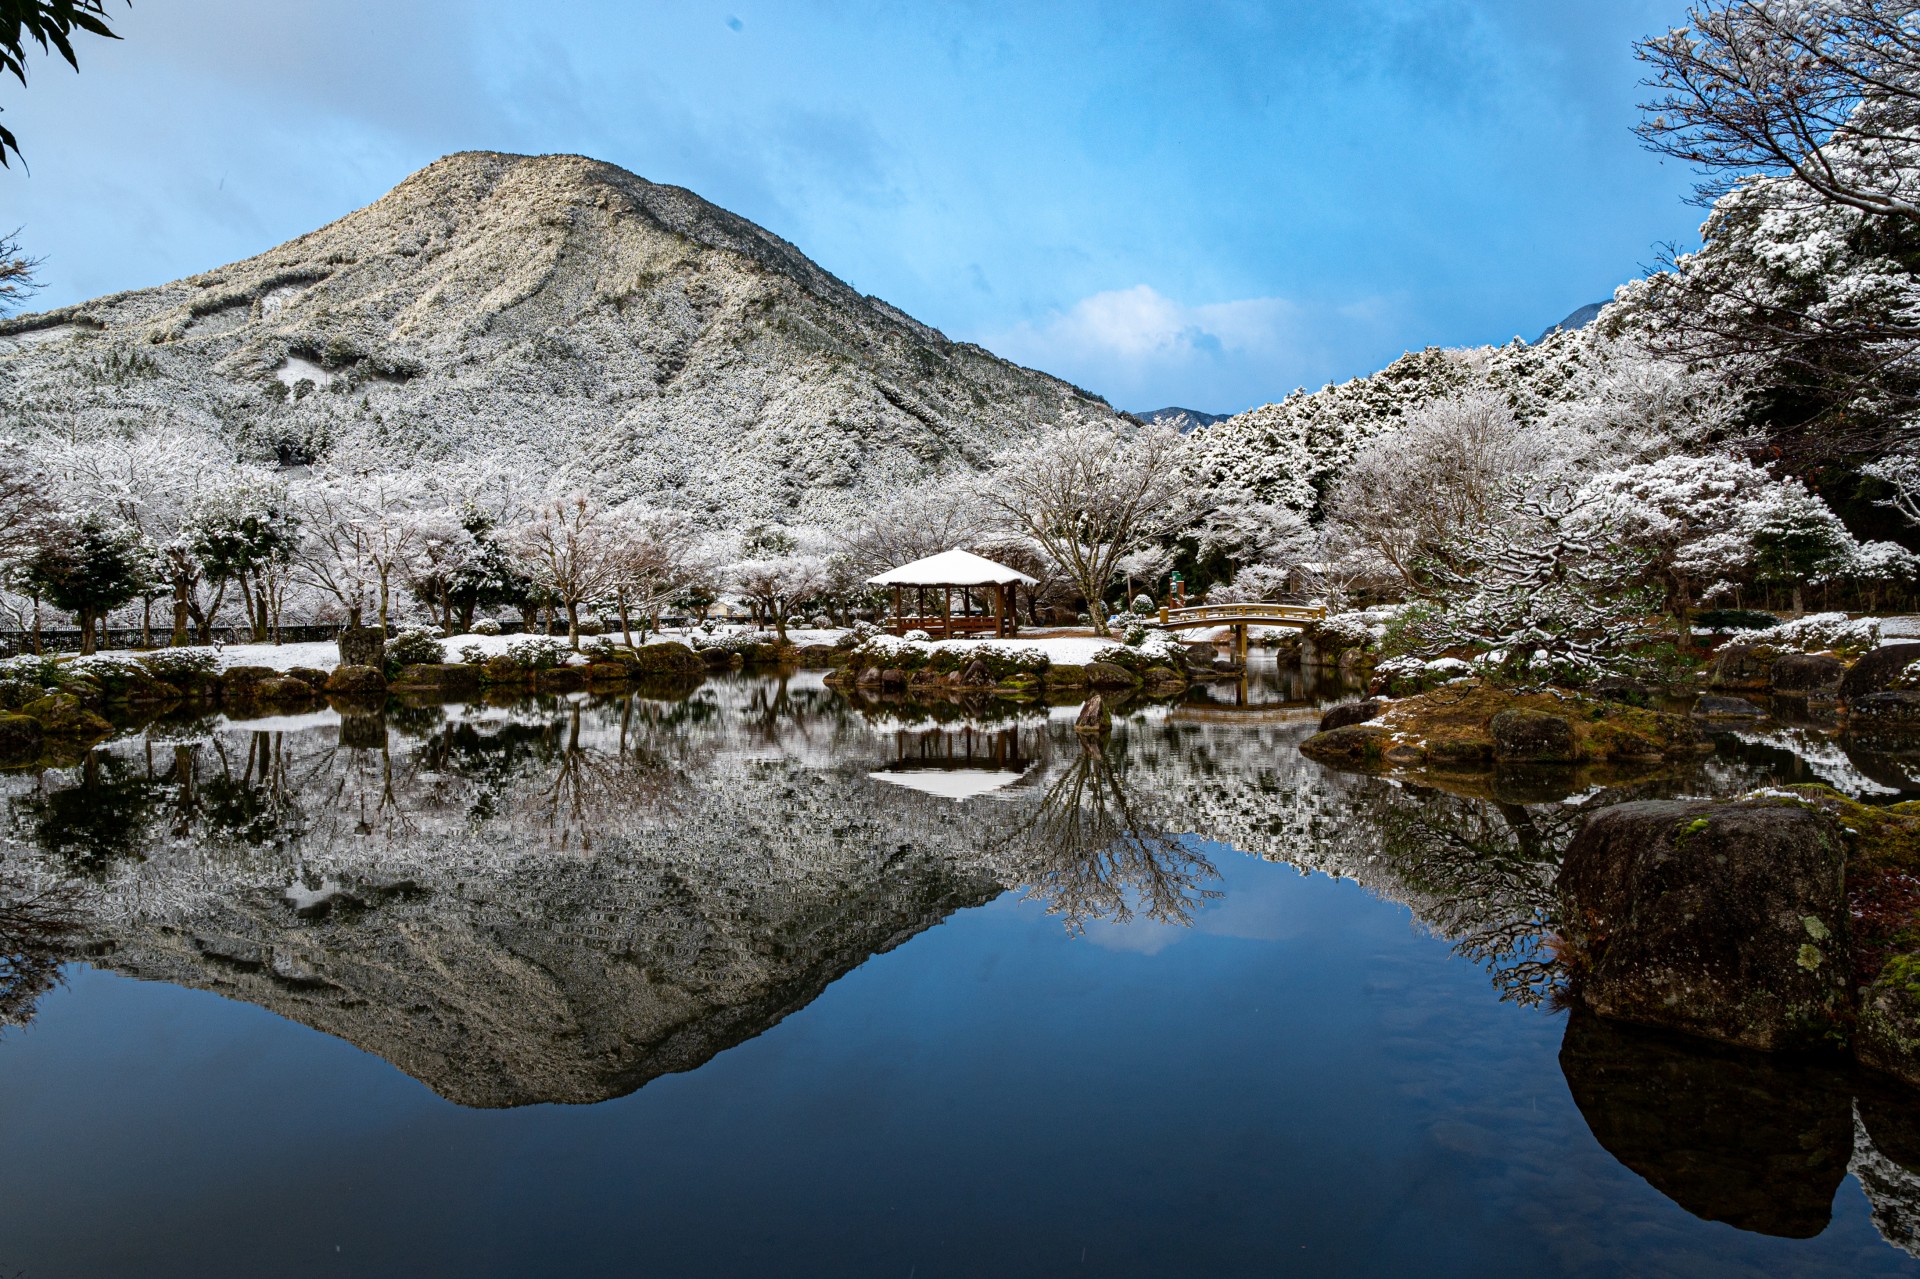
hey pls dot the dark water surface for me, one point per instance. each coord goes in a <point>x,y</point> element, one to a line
<point>728,982</point>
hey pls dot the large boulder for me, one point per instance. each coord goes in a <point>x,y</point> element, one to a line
<point>20,737</point>
<point>1756,1140</point>
<point>65,716</point>
<point>1111,675</point>
<point>1522,736</point>
<point>357,681</point>
<point>1354,744</point>
<point>1884,714</point>
<point>1740,666</point>
<point>283,690</point>
<point>1714,706</point>
<point>450,679</point>
<point>363,646</point>
<point>1724,920</point>
<point>1878,671</point>
<point>1815,676</point>
<point>1887,1036</point>
<point>1347,713</point>
<point>242,683</point>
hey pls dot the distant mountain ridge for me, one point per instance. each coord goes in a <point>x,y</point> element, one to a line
<point>1182,420</point>
<point>1580,319</point>
<point>557,311</point>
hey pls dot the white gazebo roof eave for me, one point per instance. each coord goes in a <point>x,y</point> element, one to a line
<point>952,568</point>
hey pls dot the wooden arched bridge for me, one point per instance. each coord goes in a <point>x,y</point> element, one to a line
<point>1240,617</point>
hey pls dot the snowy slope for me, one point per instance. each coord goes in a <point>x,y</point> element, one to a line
<point>556,310</point>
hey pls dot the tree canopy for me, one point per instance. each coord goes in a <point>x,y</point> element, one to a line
<point>49,24</point>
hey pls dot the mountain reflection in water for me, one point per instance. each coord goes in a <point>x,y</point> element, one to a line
<point>561,899</point>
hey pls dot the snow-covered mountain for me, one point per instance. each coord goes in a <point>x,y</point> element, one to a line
<point>1574,322</point>
<point>1182,420</point>
<point>555,311</point>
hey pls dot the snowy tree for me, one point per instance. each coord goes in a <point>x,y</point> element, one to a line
<point>779,586</point>
<point>570,547</point>
<point>1089,496</point>
<point>246,535</point>
<point>1695,523</point>
<point>88,569</point>
<point>925,520</point>
<point>658,557</point>
<point>1409,497</point>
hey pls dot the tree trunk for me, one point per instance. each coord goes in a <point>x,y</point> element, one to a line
<point>573,623</point>
<point>146,621</point>
<point>383,603</point>
<point>626,627</point>
<point>85,617</point>
<point>1798,610</point>
<point>179,639</point>
<point>38,650</point>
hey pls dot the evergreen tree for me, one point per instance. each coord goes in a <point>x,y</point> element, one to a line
<point>88,570</point>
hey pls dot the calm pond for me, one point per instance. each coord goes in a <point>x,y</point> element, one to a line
<point>752,979</point>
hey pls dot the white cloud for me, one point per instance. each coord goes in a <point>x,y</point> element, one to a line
<point>1142,349</point>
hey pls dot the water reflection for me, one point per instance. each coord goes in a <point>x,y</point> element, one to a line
<point>560,899</point>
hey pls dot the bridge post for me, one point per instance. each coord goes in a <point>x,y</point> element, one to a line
<point>1240,643</point>
<point>1163,615</point>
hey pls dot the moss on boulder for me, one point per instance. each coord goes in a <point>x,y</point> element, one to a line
<point>357,681</point>
<point>20,737</point>
<point>64,716</point>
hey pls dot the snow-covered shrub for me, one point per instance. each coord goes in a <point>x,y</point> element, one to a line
<point>917,637</point>
<point>486,626</point>
<point>859,633</point>
<point>1361,628</point>
<point>1135,636</point>
<point>537,653</point>
<point>1404,676</point>
<point>1157,648</point>
<point>591,625</point>
<point>1143,603</point>
<point>745,642</point>
<point>473,654</point>
<point>415,646</point>
<point>173,663</point>
<point>821,622</point>
<point>42,672</point>
<point>1823,632</point>
<point>599,648</point>
<point>1085,618</point>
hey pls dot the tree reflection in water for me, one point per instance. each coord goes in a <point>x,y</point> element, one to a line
<point>1090,853</point>
<point>40,929</point>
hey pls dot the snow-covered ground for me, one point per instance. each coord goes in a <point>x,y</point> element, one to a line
<point>1076,650</point>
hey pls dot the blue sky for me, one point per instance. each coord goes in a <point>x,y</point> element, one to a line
<point>1188,203</point>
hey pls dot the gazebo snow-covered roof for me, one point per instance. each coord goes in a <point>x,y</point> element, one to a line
<point>945,573</point>
<point>952,568</point>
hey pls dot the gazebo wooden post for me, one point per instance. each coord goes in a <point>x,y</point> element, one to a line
<point>899,617</point>
<point>946,615</point>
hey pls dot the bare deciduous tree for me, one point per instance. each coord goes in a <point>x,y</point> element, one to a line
<point>1088,496</point>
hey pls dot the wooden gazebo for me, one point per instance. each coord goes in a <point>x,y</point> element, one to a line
<point>986,595</point>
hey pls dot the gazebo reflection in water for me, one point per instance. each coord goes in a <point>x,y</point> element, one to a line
<point>957,761</point>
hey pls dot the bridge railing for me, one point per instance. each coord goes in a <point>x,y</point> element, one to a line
<point>1296,614</point>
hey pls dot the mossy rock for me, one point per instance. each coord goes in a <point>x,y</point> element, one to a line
<point>1066,675</point>
<point>720,659</point>
<point>133,685</point>
<point>608,672</point>
<point>20,737</point>
<point>196,686</point>
<point>312,676</point>
<point>241,683</point>
<point>504,670</point>
<point>818,657</point>
<point>1352,744</point>
<point>1460,752</point>
<point>357,681</point>
<point>667,659</point>
<point>1164,679</point>
<point>62,715</point>
<point>283,690</point>
<point>1887,1033</point>
<point>561,679</point>
<point>449,678</point>
<point>1111,675</point>
<point>1527,736</point>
